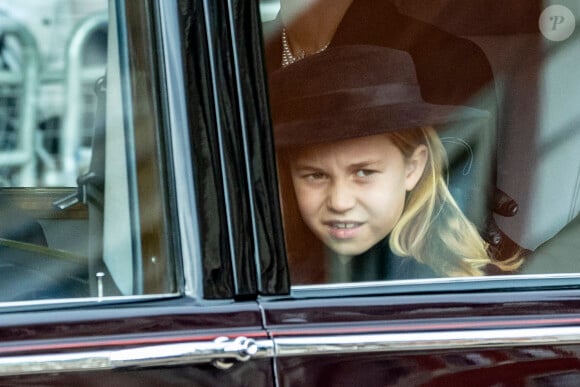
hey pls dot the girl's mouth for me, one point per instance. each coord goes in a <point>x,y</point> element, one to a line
<point>345,225</point>
<point>343,230</point>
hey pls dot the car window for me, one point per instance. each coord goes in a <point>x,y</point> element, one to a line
<point>81,192</point>
<point>425,140</point>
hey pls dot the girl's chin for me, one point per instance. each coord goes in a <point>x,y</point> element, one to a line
<point>347,251</point>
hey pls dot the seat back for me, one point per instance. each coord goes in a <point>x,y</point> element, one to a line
<point>537,83</point>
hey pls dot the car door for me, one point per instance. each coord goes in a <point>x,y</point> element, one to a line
<point>494,330</point>
<point>146,271</point>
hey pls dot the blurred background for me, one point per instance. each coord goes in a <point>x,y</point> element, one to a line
<point>51,54</point>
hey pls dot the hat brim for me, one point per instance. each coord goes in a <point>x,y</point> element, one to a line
<point>372,121</point>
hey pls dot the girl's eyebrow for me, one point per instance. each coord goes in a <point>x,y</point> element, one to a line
<point>303,166</point>
<point>356,165</point>
<point>365,164</point>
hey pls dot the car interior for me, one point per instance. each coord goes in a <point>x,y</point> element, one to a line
<point>538,164</point>
<point>537,141</point>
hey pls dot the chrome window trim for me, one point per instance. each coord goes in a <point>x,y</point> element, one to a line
<point>86,301</point>
<point>425,341</point>
<point>484,282</point>
<point>223,351</point>
<point>438,280</point>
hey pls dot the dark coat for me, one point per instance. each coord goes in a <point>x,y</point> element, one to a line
<point>450,69</point>
<point>378,263</point>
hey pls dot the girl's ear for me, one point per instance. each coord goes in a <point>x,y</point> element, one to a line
<point>414,166</point>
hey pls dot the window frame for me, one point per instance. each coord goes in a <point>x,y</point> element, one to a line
<point>511,283</point>
<point>162,165</point>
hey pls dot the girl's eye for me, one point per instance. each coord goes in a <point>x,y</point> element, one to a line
<point>315,176</point>
<point>364,173</point>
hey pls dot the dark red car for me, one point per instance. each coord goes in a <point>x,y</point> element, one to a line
<point>142,240</point>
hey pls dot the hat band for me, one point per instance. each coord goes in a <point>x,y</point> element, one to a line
<point>346,99</point>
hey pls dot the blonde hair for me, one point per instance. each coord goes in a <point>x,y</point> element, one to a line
<point>433,229</point>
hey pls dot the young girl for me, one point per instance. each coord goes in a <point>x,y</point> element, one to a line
<point>362,170</point>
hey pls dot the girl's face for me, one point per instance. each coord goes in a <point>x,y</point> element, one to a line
<point>351,193</point>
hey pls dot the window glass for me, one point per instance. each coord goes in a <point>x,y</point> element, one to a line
<point>425,139</point>
<point>74,176</point>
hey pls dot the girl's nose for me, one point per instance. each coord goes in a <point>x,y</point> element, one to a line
<point>340,197</point>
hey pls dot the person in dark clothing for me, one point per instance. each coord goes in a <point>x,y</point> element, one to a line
<point>362,169</point>
<point>450,70</point>
<point>376,264</point>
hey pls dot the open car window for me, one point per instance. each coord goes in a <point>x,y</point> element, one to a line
<point>491,95</point>
<point>83,206</point>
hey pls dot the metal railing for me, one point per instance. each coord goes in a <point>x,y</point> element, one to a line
<point>18,93</point>
<point>73,154</point>
<point>24,158</point>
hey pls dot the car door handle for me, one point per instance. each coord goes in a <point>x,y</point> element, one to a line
<point>222,352</point>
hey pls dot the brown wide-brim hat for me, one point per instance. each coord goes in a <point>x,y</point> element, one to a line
<point>354,91</point>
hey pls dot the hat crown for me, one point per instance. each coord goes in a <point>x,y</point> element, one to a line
<point>353,91</point>
<point>343,68</point>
